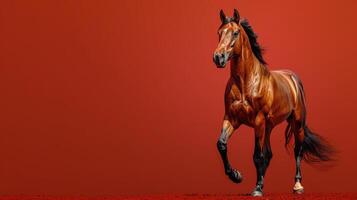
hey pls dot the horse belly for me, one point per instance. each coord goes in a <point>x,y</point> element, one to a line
<point>281,109</point>
<point>279,116</point>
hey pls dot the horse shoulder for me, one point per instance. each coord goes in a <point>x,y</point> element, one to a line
<point>262,96</point>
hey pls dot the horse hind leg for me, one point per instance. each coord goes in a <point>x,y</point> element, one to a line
<point>299,138</point>
<point>298,188</point>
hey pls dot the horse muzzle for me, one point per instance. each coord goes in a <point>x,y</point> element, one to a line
<point>220,59</point>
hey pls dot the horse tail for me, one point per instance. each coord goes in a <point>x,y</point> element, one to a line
<point>315,148</point>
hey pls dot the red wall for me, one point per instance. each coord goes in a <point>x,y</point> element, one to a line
<point>122,97</point>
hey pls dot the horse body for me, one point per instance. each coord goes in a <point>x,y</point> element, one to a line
<point>262,99</point>
<point>274,93</point>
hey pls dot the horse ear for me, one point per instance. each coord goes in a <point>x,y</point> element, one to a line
<point>222,15</point>
<point>236,16</point>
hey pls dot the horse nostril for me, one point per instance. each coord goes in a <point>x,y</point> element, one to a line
<point>216,57</point>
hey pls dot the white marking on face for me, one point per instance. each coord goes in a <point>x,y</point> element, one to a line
<point>227,42</point>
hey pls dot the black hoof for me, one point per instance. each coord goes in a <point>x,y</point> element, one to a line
<point>257,192</point>
<point>235,176</point>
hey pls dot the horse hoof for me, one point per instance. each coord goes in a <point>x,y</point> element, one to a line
<point>235,176</point>
<point>298,191</point>
<point>298,188</point>
<point>257,193</point>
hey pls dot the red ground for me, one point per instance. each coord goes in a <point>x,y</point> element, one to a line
<point>332,196</point>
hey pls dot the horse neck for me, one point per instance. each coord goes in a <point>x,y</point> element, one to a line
<point>247,70</point>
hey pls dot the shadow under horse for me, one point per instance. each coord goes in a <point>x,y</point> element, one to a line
<point>262,99</point>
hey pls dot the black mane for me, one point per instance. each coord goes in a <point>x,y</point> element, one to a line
<point>256,48</point>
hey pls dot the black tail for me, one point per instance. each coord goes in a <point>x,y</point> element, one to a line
<point>315,148</point>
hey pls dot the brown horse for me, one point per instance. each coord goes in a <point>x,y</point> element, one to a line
<point>261,99</point>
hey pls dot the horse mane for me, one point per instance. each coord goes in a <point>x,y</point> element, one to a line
<point>256,48</point>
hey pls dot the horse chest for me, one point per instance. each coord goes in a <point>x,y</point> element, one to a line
<point>243,103</point>
<point>242,110</point>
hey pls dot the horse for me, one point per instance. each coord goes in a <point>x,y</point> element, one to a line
<point>261,99</point>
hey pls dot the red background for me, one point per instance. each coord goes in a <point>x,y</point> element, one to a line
<point>122,97</point>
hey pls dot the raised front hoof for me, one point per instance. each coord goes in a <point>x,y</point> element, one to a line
<point>298,191</point>
<point>235,176</point>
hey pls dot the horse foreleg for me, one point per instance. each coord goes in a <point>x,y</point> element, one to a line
<point>262,152</point>
<point>226,132</point>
